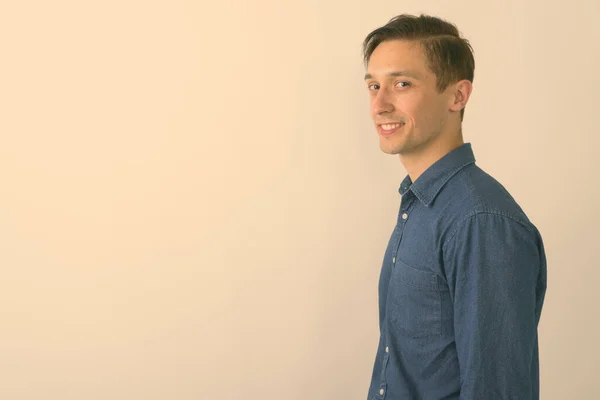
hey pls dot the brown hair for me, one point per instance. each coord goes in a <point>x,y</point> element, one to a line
<point>449,56</point>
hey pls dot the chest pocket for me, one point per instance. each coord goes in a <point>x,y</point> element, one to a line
<point>414,302</point>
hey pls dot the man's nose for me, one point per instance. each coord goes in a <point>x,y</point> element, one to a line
<point>382,102</point>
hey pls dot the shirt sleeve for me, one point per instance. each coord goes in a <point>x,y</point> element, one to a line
<point>492,267</point>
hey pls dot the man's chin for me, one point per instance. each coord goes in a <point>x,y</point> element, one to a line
<point>391,150</point>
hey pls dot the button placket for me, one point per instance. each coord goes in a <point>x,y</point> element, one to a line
<point>386,357</point>
<point>405,206</point>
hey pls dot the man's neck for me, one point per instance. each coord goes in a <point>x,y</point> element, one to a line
<point>419,161</point>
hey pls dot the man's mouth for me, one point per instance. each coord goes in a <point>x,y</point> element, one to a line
<point>388,129</point>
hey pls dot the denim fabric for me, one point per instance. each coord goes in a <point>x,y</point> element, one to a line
<point>460,292</point>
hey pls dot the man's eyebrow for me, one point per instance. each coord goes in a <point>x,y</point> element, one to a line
<point>393,74</point>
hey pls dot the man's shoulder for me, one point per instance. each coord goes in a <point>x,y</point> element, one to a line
<point>473,192</point>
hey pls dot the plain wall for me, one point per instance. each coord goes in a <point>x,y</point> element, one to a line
<point>194,205</point>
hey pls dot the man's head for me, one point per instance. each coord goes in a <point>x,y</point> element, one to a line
<point>419,75</point>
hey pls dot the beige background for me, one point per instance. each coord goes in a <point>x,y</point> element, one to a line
<point>193,203</point>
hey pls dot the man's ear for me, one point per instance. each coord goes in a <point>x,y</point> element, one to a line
<point>460,95</point>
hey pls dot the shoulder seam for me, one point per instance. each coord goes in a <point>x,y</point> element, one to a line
<point>476,213</point>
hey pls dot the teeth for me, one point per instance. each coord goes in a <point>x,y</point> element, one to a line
<point>388,127</point>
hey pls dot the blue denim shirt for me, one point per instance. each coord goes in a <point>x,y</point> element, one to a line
<point>460,291</point>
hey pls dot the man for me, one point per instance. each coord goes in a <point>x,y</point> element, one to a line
<point>464,274</point>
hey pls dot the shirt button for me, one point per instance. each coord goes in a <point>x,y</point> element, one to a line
<point>381,391</point>
<point>387,349</point>
<point>394,259</point>
<point>404,216</point>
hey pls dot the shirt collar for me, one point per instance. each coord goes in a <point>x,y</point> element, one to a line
<point>429,183</point>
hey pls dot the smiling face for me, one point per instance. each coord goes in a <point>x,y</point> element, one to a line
<point>409,112</point>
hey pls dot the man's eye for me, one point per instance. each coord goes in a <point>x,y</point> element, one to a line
<point>370,87</point>
<point>405,84</point>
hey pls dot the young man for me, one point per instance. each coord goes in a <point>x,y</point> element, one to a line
<point>464,274</point>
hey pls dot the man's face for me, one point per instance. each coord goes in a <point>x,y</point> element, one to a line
<point>403,93</point>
